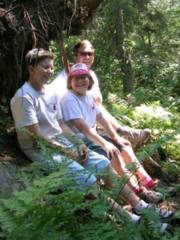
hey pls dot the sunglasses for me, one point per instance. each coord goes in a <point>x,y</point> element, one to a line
<point>35,52</point>
<point>85,54</point>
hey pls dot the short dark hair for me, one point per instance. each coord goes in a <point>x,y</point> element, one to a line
<point>91,82</point>
<point>36,55</point>
<point>81,44</point>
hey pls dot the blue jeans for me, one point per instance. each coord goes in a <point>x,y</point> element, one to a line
<point>84,175</point>
<point>96,148</point>
<point>87,174</point>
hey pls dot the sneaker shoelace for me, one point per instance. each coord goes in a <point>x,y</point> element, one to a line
<point>162,213</point>
<point>160,225</point>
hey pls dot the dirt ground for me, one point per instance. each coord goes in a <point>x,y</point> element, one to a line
<point>11,154</point>
<point>9,148</point>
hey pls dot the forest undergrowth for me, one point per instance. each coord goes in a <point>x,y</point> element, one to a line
<point>44,211</point>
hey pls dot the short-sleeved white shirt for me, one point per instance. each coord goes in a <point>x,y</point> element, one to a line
<point>60,84</point>
<point>75,106</point>
<point>30,107</point>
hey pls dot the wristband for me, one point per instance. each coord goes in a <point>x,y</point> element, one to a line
<point>72,152</point>
<point>115,138</point>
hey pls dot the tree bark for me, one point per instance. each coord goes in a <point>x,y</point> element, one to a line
<point>26,24</point>
<point>124,55</point>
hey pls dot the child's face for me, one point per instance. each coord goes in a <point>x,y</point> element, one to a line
<point>43,72</point>
<point>80,84</point>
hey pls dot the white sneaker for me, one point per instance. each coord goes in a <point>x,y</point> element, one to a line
<point>165,216</point>
<point>162,226</point>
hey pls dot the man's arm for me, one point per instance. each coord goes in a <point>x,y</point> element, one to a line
<point>98,100</point>
<point>95,91</point>
<point>107,126</point>
<point>108,116</point>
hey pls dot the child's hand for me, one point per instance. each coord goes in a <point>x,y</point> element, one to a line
<point>122,142</point>
<point>83,154</point>
<point>110,149</point>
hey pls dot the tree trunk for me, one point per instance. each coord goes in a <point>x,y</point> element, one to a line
<point>124,55</point>
<point>34,24</point>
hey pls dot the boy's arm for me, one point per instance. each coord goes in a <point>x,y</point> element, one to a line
<point>35,129</point>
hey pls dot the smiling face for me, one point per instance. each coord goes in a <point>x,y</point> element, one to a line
<point>85,54</point>
<point>80,84</point>
<point>41,74</point>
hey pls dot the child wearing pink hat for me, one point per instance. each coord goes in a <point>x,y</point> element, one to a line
<point>81,113</point>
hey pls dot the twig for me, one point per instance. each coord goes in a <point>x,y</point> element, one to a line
<point>9,11</point>
<point>75,6</point>
<point>149,159</point>
<point>63,52</point>
<point>32,26</point>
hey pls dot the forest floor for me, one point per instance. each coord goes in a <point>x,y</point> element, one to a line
<point>9,147</point>
<point>11,154</point>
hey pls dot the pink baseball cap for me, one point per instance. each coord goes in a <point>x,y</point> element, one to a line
<point>79,69</point>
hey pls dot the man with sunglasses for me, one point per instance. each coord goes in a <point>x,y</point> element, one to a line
<point>84,53</point>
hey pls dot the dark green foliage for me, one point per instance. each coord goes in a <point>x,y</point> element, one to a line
<point>151,32</point>
<point>39,212</point>
<point>52,208</point>
<point>43,210</point>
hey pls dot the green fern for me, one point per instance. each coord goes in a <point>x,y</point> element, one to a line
<point>51,207</point>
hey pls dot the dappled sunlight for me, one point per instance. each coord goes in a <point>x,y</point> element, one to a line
<point>153,111</point>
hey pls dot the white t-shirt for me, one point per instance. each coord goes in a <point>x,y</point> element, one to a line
<point>75,106</point>
<point>30,107</point>
<point>60,84</point>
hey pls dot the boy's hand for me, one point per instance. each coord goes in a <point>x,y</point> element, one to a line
<point>83,154</point>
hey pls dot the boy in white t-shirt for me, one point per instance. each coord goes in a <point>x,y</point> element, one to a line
<point>36,107</point>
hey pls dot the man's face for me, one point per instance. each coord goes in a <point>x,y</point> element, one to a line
<point>85,55</point>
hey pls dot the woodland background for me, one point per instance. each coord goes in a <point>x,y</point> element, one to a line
<point>137,60</point>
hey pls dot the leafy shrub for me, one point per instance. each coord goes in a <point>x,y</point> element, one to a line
<point>52,208</point>
<point>42,211</point>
